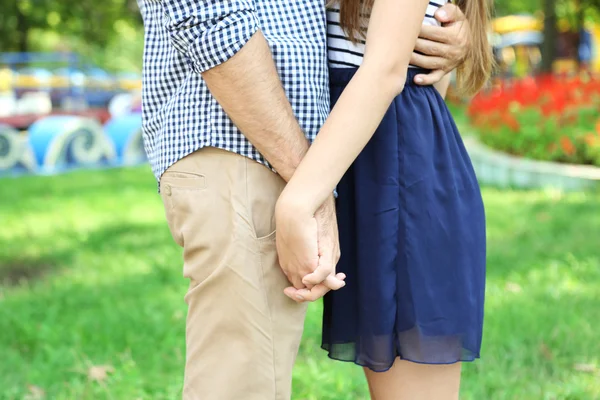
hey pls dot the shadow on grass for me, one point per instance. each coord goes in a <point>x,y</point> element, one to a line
<point>60,250</point>
<point>21,270</point>
<point>130,237</point>
<point>140,318</point>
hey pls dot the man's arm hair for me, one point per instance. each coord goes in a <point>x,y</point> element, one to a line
<point>223,43</point>
<point>248,88</point>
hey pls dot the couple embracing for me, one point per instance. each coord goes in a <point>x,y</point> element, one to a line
<point>327,122</point>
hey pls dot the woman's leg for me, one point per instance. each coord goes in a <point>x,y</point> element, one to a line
<point>411,381</point>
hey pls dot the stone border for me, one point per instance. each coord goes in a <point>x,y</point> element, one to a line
<point>504,170</point>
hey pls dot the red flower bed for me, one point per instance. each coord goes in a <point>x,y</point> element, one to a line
<point>544,118</point>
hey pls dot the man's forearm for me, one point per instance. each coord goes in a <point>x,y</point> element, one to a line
<point>248,88</point>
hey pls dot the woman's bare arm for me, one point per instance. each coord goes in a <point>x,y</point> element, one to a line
<point>361,106</point>
<point>442,86</point>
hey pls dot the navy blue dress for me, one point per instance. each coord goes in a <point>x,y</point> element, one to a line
<point>412,236</point>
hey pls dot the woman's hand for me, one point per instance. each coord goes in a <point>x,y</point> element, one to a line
<point>308,248</point>
<point>297,242</point>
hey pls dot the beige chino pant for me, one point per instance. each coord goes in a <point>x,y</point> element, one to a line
<point>242,332</point>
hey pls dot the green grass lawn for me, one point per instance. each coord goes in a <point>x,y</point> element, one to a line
<point>91,300</point>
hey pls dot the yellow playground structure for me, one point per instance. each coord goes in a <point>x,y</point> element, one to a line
<point>517,40</point>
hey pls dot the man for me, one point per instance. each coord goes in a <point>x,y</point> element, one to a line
<point>234,90</point>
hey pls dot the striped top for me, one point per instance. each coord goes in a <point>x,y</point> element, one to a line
<point>343,53</point>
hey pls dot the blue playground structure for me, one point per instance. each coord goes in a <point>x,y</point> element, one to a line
<point>66,114</point>
<point>60,143</point>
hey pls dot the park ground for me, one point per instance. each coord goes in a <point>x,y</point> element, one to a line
<point>91,296</point>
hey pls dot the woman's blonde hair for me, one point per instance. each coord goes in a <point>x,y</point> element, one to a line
<point>476,69</point>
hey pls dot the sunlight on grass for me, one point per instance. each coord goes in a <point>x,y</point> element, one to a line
<point>91,304</point>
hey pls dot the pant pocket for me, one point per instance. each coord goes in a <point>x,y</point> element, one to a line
<point>263,188</point>
<point>182,194</point>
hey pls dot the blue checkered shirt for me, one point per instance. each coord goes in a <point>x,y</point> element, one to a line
<point>184,38</point>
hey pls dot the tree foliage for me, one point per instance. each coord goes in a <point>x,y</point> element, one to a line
<point>507,7</point>
<point>90,20</point>
<point>89,26</point>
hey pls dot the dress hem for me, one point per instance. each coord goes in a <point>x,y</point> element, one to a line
<point>387,368</point>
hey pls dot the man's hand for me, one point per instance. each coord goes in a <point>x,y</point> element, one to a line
<point>324,278</point>
<point>297,243</point>
<point>308,250</point>
<point>443,48</point>
<point>328,242</point>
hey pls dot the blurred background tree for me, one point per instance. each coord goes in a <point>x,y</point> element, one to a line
<point>106,32</point>
<point>566,14</point>
<point>109,33</point>
<point>507,7</point>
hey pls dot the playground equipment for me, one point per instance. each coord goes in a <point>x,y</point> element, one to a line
<point>15,154</point>
<point>52,118</point>
<point>62,142</point>
<point>67,79</point>
<point>66,114</point>
<point>517,40</point>
<point>126,134</point>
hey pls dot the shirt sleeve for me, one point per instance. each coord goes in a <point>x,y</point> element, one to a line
<point>209,32</point>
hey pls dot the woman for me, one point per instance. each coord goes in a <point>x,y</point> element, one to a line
<point>411,217</point>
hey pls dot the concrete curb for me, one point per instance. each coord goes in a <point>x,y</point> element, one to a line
<point>504,170</point>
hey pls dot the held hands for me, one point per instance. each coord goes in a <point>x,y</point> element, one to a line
<point>443,48</point>
<point>308,248</point>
